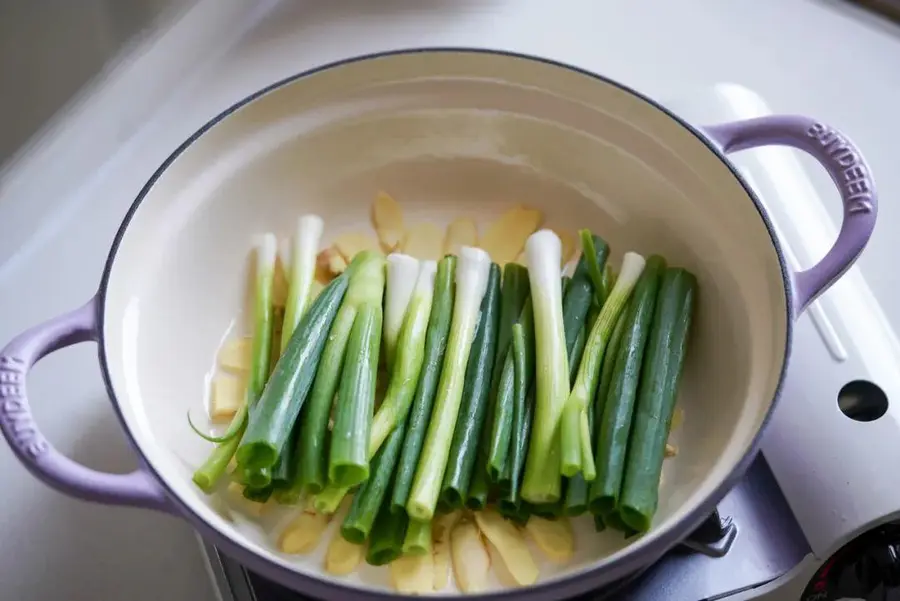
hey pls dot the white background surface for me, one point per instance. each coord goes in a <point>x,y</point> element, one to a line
<point>60,206</point>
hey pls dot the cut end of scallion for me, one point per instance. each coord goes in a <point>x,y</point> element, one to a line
<point>543,253</point>
<point>402,272</point>
<point>632,267</point>
<point>353,534</point>
<point>266,250</point>
<point>472,273</point>
<point>310,227</point>
<point>425,279</point>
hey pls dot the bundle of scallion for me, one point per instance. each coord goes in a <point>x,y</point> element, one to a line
<point>513,386</point>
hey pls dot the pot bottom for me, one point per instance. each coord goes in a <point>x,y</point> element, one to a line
<point>750,539</point>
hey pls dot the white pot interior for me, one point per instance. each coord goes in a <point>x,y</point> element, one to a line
<point>447,134</point>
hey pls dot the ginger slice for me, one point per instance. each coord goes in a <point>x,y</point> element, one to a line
<point>387,217</point>
<point>506,237</point>
<point>461,232</point>
<point>471,562</point>
<point>424,241</point>
<point>553,537</point>
<point>510,545</point>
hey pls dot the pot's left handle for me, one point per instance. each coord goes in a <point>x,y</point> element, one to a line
<point>137,489</point>
<point>848,170</point>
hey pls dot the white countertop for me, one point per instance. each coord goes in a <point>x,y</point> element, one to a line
<point>60,205</point>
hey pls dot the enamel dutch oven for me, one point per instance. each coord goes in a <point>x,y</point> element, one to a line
<point>448,132</point>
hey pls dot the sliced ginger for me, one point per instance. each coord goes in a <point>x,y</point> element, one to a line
<point>424,241</point>
<point>238,501</point>
<point>228,395</point>
<point>349,244</point>
<point>387,217</point>
<point>553,537</point>
<point>235,354</point>
<point>329,263</point>
<point>303,533</point>
<point>413,574</point>
<point>280,283</point>
<point>567,240</point>
<point>342,556</point>
<point>510,544</point>
<point>506,237</point>
<point>503,575</point>
<point>440,532</point>
<point>461,232</point>
<point>471,562</point>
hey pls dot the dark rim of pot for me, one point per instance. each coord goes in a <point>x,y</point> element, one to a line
<point>567,585</point>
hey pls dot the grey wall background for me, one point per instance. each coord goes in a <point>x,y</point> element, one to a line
<point>51,50</point>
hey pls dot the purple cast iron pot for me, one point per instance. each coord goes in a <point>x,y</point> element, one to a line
<point>448,132</point>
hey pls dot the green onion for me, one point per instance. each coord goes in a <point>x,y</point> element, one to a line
<point>302,272</point>
<point>499,417</point>
<point>348,461</point>
<point>575,435</point>
<point>541,483</point>
<point>499,437</point>
<point>373,493</point>
<point>211,471</point>
<point>468,431</point>
<point>478,489</point>
<point>523,354</point>
<point>614,423</point>
<point>257,495</point>
<point>410,355</point>
<point>401,269</point>
<point>310,475</point>
<point>595,267</point>
<point>386,540</point>
<point>435,347</point>
<point>272,420</point>
<point>402,272</point>
<point>658,389</point>
<point>418,538</point>
<point>471,283</point>
<point>329,500</point>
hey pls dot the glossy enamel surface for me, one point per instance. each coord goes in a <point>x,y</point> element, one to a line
<point>448,134</point>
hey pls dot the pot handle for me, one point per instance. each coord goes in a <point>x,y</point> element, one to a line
<point>848,170</point>
<point>137,489</point>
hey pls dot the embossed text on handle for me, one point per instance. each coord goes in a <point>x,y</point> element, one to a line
<point>855,182</point>
<point>14,410</point>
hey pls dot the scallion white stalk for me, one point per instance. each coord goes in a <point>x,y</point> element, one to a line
<point>541,483</point>
<point>472,273</point>
<point>301,270</point>
<point>402,272</point>
<point>409,356</point>
<point>576,443</point>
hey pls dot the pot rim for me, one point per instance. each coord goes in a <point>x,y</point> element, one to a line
<point>572,584</point>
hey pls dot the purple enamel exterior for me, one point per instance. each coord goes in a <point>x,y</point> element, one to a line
<point>137,489</point>
<point>848,170</point>
<point>143,488</point>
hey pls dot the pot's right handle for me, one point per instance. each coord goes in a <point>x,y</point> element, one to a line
<point>848,170</point>
<point>137,489</point>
